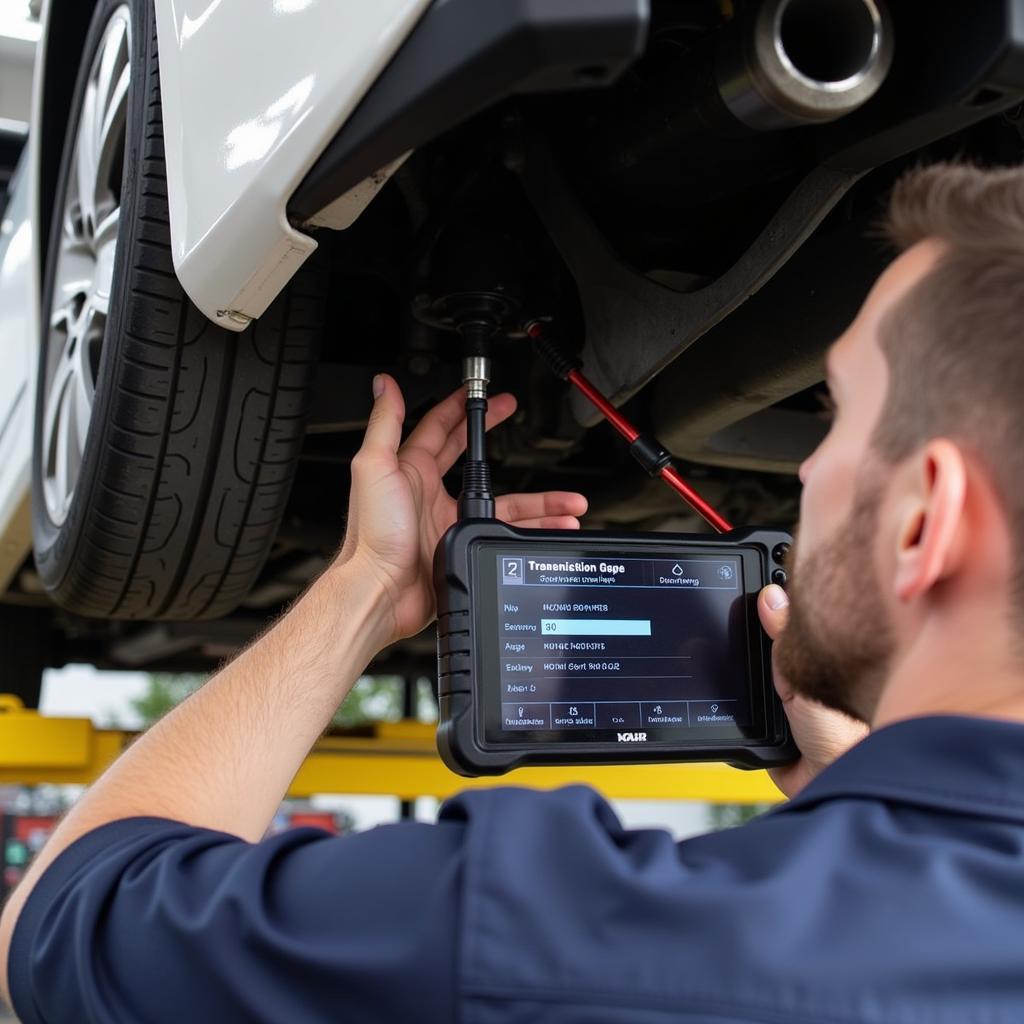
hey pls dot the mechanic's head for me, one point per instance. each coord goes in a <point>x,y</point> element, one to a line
<point>907,590</point>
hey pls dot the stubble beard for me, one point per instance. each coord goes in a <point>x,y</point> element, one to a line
<point>838,644</point>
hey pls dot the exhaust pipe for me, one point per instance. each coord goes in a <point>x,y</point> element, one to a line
<point>805,62</point>
<point>698,130</point>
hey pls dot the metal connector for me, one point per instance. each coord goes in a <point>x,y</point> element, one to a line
<point>476,375</point>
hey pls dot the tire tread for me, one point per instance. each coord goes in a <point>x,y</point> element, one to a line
<point>202,429</point>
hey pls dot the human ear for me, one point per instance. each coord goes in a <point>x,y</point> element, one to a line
<point>929,545</point>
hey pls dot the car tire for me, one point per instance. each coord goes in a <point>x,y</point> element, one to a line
<point>165,446</point>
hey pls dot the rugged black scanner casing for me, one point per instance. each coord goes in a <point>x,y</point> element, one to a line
<point>462,673</point>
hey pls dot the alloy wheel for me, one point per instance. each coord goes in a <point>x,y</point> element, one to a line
<point>85,266</point>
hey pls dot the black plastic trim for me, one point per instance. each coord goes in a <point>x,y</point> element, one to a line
<point>462,57</point>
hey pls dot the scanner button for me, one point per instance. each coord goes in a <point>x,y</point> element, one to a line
<point>618,716</point>
<point>572,716</point>
<point>665,714</point>
<point>712,712</point>
<point>780,577</point>
<point>525,716</point>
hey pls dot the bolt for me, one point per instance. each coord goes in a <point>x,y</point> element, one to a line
<point>236,317</point>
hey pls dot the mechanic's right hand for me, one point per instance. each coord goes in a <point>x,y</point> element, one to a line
<point>821,733</point>
<point>399,508</point>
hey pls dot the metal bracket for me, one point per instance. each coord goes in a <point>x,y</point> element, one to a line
<point>635,327</point>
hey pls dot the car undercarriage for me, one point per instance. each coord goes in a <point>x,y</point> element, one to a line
<point>690,224</point>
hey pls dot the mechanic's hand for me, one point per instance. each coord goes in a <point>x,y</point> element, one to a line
<point>399,508</point>
<point>821,733</point>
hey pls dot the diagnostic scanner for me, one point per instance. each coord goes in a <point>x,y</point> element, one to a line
<point>594,648</point>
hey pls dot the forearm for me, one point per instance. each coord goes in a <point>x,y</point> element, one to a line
<point>224,759</point>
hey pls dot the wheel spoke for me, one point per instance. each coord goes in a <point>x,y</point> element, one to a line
<point>106,250</point>
<point>106,230</point>
<point>80,399</point>
<point>65,424</point>
<point>112,59</point>
<point>80,412</point>
<point>111,76</point>
<point>71,229</point>
<point>54,402</point>
<point>64,369</point>
<point>92,327</point>
<point>75,275</point>
<point>104,108</point>
<point>62,461</point>
<point>100,302</point>
<point>111,130</point>
<point>85,157</point>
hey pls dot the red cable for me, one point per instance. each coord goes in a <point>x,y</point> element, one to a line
<point>669,474</point>
<point>604,407</point>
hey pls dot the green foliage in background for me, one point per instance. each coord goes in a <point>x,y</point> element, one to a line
<point>373,699</point>
<point>380,698</point>
<point>163,691</point>
<point>730,815</point>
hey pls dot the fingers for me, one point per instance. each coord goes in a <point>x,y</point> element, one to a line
<point>773,609</point>
<point>384,429</point>
<point>499,408</point>
<point>521,509</point>
<point>432,431</point>
<point>548,523</point>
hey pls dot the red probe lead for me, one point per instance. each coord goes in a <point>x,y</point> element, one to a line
<point>668,472</point>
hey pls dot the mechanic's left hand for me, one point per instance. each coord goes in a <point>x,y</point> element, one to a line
<point>822,734</point>
<point>399,508</point>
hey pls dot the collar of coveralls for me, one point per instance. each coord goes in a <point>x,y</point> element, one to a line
<point>955,763</point>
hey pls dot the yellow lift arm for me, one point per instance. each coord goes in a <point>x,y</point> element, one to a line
<point>397,759</point>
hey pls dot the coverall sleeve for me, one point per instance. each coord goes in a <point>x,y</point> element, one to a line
<point>149,920</point>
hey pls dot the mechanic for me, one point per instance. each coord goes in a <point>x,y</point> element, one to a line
<point>889,888</point>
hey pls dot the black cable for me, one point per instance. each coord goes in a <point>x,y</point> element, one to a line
<point>476,429</point>
<point>477,499</point>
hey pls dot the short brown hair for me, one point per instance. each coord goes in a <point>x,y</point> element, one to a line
<point>954,344</point>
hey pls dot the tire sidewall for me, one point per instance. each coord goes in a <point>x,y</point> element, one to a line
<point>56,545</point>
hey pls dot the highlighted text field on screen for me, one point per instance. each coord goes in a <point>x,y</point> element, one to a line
<point>595,627</point>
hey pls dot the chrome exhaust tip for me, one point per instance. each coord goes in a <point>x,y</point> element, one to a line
<point>806,62</point>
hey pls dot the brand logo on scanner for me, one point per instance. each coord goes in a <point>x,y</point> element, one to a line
<point>632,737</point>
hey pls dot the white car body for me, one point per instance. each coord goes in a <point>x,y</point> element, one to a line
<point>19,304</point>
<point>253,91</point>
<point>18,328</point>
<point>19,35</point>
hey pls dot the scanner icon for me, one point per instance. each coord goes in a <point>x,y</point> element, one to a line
<point>511,571</point>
